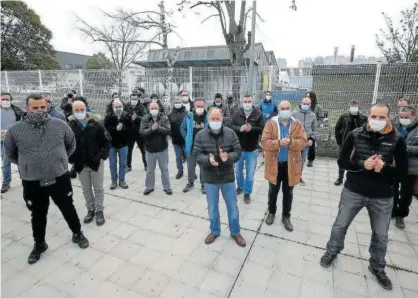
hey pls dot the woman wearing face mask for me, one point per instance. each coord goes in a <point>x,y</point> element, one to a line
<point>154,98</point>
<point>186,101</point>
<point>319,113</point>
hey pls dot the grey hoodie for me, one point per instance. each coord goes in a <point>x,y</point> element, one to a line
<point>308,118</point>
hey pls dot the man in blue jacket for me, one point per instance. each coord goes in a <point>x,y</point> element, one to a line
<point>268,107</point>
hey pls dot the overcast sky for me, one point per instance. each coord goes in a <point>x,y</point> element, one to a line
<point>314,30</point>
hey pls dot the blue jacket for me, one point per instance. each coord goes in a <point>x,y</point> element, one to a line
<point>187,127</point>
<point>268,108</point>
<point>56,114</point>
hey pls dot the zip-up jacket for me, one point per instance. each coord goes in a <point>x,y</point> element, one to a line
<point>155,140</point>
<point>269,109</point>
<point>248,140</point>
<point>176,118</point>
<point>190,127</point>
<point>309,122</point>
<point>119,137</point>
<point>347,123</point>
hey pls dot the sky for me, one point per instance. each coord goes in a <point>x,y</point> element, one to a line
<point>313,30</point>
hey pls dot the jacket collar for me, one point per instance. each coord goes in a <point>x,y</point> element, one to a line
<point>89,116</point>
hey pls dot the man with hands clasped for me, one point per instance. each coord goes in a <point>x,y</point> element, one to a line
<point>373,156</point>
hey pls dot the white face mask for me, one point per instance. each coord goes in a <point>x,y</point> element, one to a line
<point>185,98</point>
<point>377,125</point>
<point>268,97</point>
<point>178,105</point>
<point>154,113</point>
<point>187,106</point>
<point>6,104</point>
<point>353,110</point>
<point>199,111</point>
<point>404,122</point>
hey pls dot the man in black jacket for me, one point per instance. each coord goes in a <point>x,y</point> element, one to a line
<point>66,103</point>
<point>217,149</point>
<point>373,156</point>
<point>218,103</point>
<point>346,123</point>
<point>155,127</point>
<point>176,118</point>
<point>119,124</point>
<point>248,124</point>
<point>92,148</point>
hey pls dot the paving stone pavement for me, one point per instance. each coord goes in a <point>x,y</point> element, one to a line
<point>153,246</point>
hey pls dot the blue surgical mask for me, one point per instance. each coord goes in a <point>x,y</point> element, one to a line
<point>154,112</point>
<point>247,106</point>
<point>218,103</point>
<point>134,102</point>
<point>215,125</point>
<point>80,116</point>
<point>284,114</point>
<point>305,107</point>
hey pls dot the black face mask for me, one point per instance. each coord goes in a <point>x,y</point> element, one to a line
<point>70,95</point>
<point>230,97</point>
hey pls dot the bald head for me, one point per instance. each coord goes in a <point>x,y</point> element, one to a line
<point>79,110</point>
<point>154,106</point>
<point>284,105</point>
<point>215,115</point>
<point>306,101</point>
<point>116,103</point>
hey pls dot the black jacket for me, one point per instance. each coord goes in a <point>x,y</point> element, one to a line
<point>155,140</point>
<point>205,143</point>
<point>119,137</point>
<point>92,143</point>
<point>18,112</point>
<point>140,112</point>
<point>176,118</point>
<point>347,123</point>
<point>362,143</point>
<point>248,140</point>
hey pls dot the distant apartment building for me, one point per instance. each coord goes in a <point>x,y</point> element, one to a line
<point>68,60</point>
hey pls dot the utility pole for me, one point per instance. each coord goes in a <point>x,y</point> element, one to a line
<point>252,49</point>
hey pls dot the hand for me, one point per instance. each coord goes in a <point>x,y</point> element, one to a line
<point>119,127</point>
<point>134,116</point>
<point>243,128</point>
<point>154,126</point>
<point>3,132</point>
<point>369,163</point>
<point>378,164</point>
<point>212,160</point>
<point>248,127</point>
<point>224,155</point>
<point>310,143</point>
<point>284,142</point>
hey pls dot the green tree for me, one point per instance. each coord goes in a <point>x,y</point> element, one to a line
<point>25,41</point>
<point>99,61</point>
<point>399,43</point>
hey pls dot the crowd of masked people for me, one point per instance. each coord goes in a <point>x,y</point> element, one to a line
<point>378,154</point>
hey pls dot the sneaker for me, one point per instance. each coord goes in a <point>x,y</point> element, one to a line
<point>113,185</point>
<point>36,253</point>
<point>310,164</point>
<point>339,181</point>
<point>382,278</point>
<point>287,224</point>
<point>326,259</point>
<point>302,182</point>
<point>247,198</point>
<point>179,175</point>
<point>128,169</point>
<point>168,191</point>
<point>270,219</point>
<point>148,191</point>
<point>5,188</point>
<point>240,240</point>
<point>189,186</point>
<point>146,169</point>
<point>211,238</point>
<point>81,240</point>
<point>400,223</point>
<point>89,217</point>
<point>239,191</point>
<point>123,184</point>
<point>100,220</point>
<point>203,190</point>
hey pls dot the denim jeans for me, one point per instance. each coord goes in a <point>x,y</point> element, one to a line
<point>113,157</point>
<point>379,210</point>
<point>304,155</point>
<point>230,196</point>
<point>249,158</point>
<point>179,151</point>
<point>191,169</point>
<point>6,167</point>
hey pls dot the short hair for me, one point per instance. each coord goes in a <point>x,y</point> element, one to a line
<point>7,93</point>
<point>199,99</point>
<point>247,95</point>
<point>218,95</point>
<point>134,94</point>
<point>213,109</point>
<point>354,102</point>
<point>407,109</point>
<point>407,100</point>
<point>34,96</point>
<point>267,91</point>
<point>115,93</point>
<point>154,96</point>
<point>46,94</point>
<point>380,105</point>
<point>139,89</point>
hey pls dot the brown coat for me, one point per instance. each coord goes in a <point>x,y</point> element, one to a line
<point>270,143</point>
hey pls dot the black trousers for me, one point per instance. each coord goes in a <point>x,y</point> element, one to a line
<point>341,174</point>
<point>282,180</point>
<point>131,144</point>
<point>37,201</point>
<point>403,197</point>
<point>311,152</point>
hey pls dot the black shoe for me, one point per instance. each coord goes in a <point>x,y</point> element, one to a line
<point>168,191</point>
<point>113,185</point>
<point>270,219</point>
<point>179,175</point>
<point>128,169</point>
<point>81,240</point>
<point>73,174</point>
<point>400,223</point>
<point>148,191</point>
<point>239,191</point>
<point>382,278</point>
<point>339,181</point>
<point>146,169</point>
<point>310,164</point>
<point>36,253</point>
<point>100,220</point>
<point>326,259</point>
<point>203,190</point>
<point>302,182</point>
<point>5,188</point>
<point>247,198</point>
<point>123,184</point>
<point>89,217</point>
<point>189,186</point>
<point>287,224</point>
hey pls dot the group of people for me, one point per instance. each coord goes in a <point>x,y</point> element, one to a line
<point>223,138</point>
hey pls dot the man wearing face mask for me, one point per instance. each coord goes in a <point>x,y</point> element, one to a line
<point>403,196</point>
<point>308,118</point>
<point>176,118</point>
<point>51,109</point>
<point>218,103</point>
<point>10,114</point>
<point>40,146</point>
<point>346,123</point>
<point>231,103</point>
<point>92,149</point>
<point>115,96</point>
<point>217,149</point>
<point>119,126</point>
<point>187,102</point>
<point>194,122</point>
<point>155,127</point>
<point>402,102</point>
<point>248,124</point>
<point>373,156</point>
<point>268,107</point>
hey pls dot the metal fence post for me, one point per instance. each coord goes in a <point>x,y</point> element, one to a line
<point>6,78</point>
<point>80,77</point>
<point>40,80</point>
<point>376,81</point>
<point>191,81</point>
